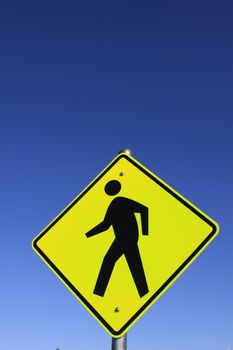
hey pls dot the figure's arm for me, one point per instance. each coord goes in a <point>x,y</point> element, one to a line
<point>103,226</point>
<point>143,210</point>
<point>144,219</point>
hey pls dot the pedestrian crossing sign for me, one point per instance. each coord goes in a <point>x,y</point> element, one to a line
<point>121,243</point>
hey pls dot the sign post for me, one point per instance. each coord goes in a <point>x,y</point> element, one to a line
<point>121,343</point>
<point>127,236</point>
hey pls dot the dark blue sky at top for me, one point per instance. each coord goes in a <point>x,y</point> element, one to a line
<point>91,71</point>
<point>79,80</point>
<point>138,50</point>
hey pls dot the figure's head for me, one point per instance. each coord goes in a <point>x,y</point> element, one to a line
<point>112,187</point>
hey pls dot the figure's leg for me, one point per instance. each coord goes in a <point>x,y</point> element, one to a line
<point>113,254</point>
<point>135,264</point>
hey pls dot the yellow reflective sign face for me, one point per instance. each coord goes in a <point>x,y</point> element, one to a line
<point>123,241</point>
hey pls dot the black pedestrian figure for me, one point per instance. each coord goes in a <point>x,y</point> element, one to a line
<point>120,214</point>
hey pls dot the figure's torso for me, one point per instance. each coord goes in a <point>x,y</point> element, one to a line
<point>121,214</point>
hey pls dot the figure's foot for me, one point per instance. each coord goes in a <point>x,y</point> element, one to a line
<point>98,292</point>
<point>144,292</point>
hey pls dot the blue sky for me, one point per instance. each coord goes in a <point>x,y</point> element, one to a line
<point>79,81</point>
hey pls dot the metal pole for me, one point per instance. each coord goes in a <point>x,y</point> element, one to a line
<point>125,150</point>
<point>121,343</point>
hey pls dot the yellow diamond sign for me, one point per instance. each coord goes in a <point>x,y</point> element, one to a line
<point>123,241</point>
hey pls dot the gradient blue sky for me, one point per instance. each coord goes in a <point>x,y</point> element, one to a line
<point>78,81</point>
